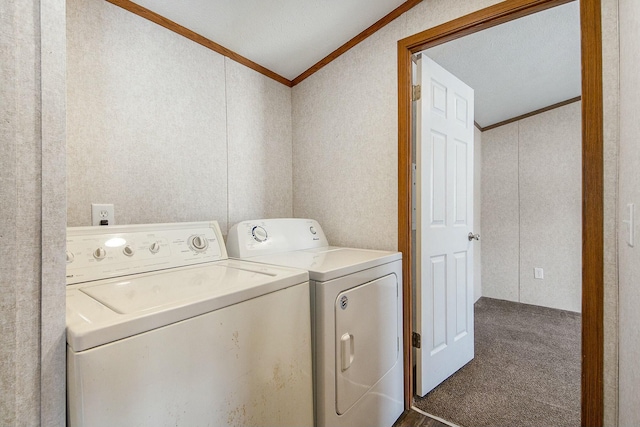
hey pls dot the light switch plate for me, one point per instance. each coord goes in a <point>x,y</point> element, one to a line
<point>538,273</point>
<point>102,211</point>
<point>631,225</point>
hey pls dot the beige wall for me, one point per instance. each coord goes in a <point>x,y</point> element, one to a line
<point>550,182</point>
<point>610,71</point>
<point>500,213</point>
<point>259,145</point>
<point>477,217</point>
<point>345,150</point>
<point>168,130</point>
<point>629,193</point>
<point>32,213</point>
<point>532,212</point>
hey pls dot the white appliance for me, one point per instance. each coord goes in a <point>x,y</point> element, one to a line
<point>164,330</point>
<point>356,299</point>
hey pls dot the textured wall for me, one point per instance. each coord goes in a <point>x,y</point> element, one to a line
<point>500,213</point>
<point>345,133</point>
<point>168,130</point>
<point>610,86</point>
<point>430,13</point>
<point>531,211</point>
<point>550,182</point>
<point>345,158</point>
<point>629,193</point>
<point>53,224</point>
<point>146,120</point>
<point>32,217</point>
<point>259,135</point>
<point>477,207</point>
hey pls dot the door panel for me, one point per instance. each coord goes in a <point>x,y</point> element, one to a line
<point>461,293</point>
<point>439,280</point>
<point>460,185</point>
<point>438,184</point>
<point>367,342</point>
<point>444,267</point>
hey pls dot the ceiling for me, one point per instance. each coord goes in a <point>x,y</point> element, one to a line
<point>520,66</point>
<point>285,36</point>
<point>514,68</point>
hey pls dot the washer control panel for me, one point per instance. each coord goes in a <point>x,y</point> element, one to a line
<point>95,253</point>
<point>268,236</point>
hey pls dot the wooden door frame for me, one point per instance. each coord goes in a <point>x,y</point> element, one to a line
<point>592,390</point>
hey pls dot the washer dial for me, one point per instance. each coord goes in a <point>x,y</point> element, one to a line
<point>155,247</point>
<point>198,243</point>
<point>128,250</point>
<point>99,253</point>
<point>259,234</point>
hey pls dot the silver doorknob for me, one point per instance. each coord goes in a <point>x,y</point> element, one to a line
<point>473,236</point>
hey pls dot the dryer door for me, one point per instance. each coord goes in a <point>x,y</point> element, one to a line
<point>367,342</point>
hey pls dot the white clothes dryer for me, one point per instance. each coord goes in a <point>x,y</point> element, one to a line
<point>164,330</point>
<point>356,312</point>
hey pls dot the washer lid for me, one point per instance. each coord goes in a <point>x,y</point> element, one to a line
<point>329,262</point>
<point>109,310</point>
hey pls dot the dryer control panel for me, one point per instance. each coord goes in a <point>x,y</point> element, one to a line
<point>271,236</point>
<point>95,253</point>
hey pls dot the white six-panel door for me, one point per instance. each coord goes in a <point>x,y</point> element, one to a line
<point>444,254</point>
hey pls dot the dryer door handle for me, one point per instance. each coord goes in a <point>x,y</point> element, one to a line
<point>346,350</point>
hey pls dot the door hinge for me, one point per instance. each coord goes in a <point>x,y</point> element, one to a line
<point>416,91</point>
<point>415,340</point>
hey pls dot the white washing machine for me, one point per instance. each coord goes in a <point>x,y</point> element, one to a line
<point>356,310</point>
<point>164,330</point>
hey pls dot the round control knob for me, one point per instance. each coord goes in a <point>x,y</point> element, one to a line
<point>155,247</point>
<point>199,243</point>
<point>128,250</point>
<point>259,234</point>
<point>99,253</point>
<point>312,229</point>
<point>70,257</point>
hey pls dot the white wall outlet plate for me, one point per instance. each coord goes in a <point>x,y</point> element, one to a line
<point>101,212</point>
<point>538,273</point>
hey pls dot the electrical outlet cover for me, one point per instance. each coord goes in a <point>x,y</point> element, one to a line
<point>538,273</point>
<point>102,211</point>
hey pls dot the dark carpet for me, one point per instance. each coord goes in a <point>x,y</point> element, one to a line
<point>526,370</point>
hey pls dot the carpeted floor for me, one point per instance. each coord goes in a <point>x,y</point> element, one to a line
<point>526,370</point>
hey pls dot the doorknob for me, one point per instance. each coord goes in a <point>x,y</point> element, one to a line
<point>473,236</point>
